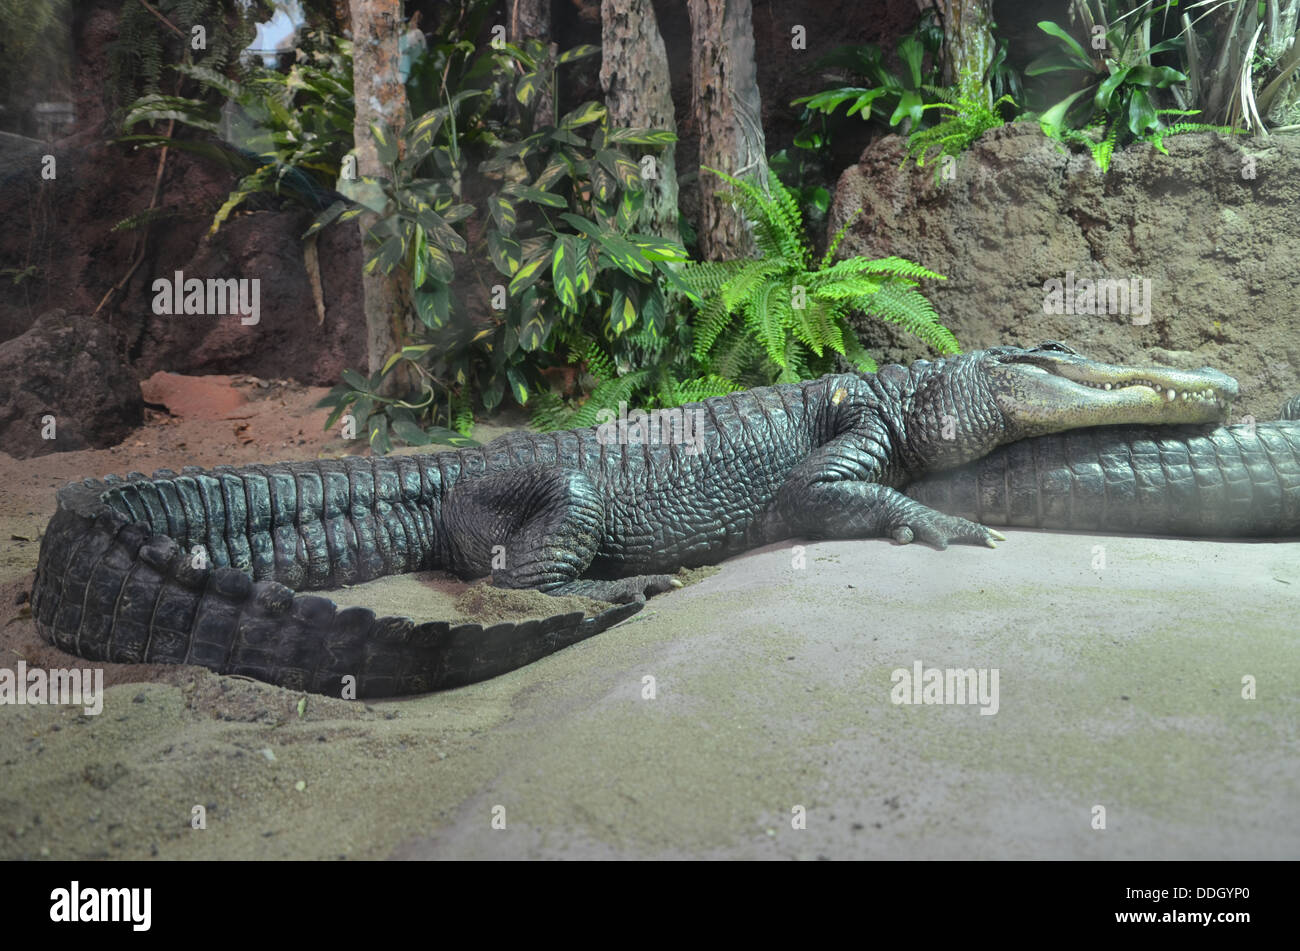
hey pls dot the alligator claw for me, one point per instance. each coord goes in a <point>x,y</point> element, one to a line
<point>940,531</point>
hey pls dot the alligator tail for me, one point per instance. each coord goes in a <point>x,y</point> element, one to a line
<point>1236,481</point>
<point>112,587</point>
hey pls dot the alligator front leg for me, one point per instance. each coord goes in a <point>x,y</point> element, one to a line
<point>832,495</point>
<point>537,527</point>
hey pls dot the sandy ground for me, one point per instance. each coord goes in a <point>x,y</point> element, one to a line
<point>769,698</point>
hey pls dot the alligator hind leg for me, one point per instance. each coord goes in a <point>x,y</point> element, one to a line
<point>537,527</point>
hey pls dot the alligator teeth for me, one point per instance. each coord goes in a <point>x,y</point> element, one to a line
<point>1170,394</point>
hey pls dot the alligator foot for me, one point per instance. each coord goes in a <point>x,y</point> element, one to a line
<point>619,590</point>
<point>940,530</point>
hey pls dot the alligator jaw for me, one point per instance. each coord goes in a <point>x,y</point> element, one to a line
<point>1042,391</point>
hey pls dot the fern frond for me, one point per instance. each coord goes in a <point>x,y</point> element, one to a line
<point>714,319</point>
<point>607,396</point>
<point>709,277</point>
<point>914,313</point>
<point>764,321</point>
<point>834,246</point>
<point>700,388</point>
<point>896,266</point>
<point>857,355</point>
<point>849,288</point>
<point>747,280</point>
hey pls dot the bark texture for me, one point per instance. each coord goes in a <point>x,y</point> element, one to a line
<point>380,98</point>
<point>727,111</point>
<point>638,93</point>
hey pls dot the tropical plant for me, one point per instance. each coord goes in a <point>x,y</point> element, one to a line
<point>1119,81</point>
<point>783,317</point>
<point>801,173</point>
<point>557,227</point>
<point>968,117</point>
<point>1242,63</point>
<point>1119,101</point>
<point>149,35</point>
<point>287,137</point>
<point>893,97</point>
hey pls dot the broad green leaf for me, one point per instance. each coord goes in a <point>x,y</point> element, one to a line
<point>326,217</point>
<point>1161,77</point>
<point>518,389</point>
<point>586,113</point>
<point>355,380</point>
<point>622,312</point>
<point>626,256</point>
<point>440,266</point>
<point>1106,89</point>
<point>564,276</point>
<point>379,441</point>
<point>1141,112</point>
<point>658,249</point>
<point>586,268</point>
<point>911,52</point>
<point>505,252</point>
<point>410,433</point>
<point>385,143</point>
<point>441,234</point>
<point>533,325</point>
<point>528,193</point>
<point>528,273</point>
<point>640,136</point>
<point>556,170</point>
<point>526,88</point>
<point>827,100</point>
<point>910,105</point>
<point>1074,51</point>
<point>420,259</point>
<point>602,183</point>
<point>1053,119</point>
<point>432,305</point>
<point>579,223</point>
<point>629,209</point>
<point>578,52</point>
<point>621,167</point>
<point>503,213</point>
<point>387,257</point>
<point>863,103</point>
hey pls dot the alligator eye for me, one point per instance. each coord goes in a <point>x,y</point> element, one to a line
<point>1057,346</point>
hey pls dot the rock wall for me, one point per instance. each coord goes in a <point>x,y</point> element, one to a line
<point>1219,248</point>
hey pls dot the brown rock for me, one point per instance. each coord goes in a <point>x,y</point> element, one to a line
<point>68,367</point>
<point>1217,247</point>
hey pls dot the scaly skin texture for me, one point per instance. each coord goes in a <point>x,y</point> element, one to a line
<point>1234,481</point>
<point>202,567</point>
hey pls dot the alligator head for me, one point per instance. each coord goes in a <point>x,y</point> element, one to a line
<point>1004,394</point>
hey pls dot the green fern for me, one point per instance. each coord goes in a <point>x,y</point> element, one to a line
<point>144,44</point>
<point>793,315</point>
<point>1102,149</point>
<point>968,119</point>
<point>1157,136</point>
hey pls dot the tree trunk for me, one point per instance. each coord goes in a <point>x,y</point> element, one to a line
<point>380,98</point>
<point>531,19</point>
<point>727,111</point>
<point>968,45</point>
<point>638,93</point>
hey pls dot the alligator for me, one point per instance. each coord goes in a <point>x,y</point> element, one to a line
<point>1235,481</point>
<point>203,567</point>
